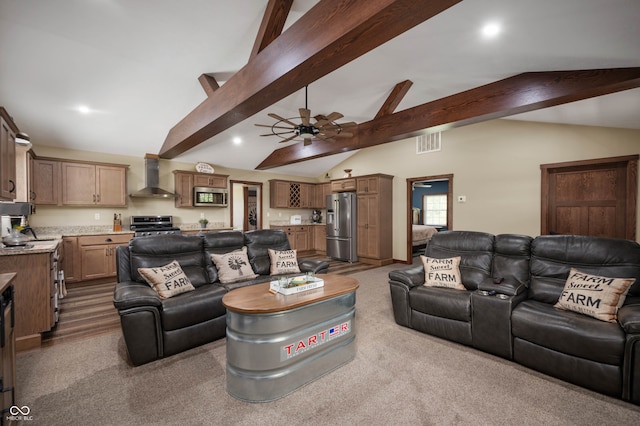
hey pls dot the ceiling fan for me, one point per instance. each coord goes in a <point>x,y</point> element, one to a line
<point>324,128</point>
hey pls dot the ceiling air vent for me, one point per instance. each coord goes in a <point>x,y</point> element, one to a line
<point>428,143</point>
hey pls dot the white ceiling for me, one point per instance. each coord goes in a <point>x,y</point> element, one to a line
<point>135,64</point>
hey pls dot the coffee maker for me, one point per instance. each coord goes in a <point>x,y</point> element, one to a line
<point>316,216</point>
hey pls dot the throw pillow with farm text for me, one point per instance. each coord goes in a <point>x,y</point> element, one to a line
<point>442,272</point>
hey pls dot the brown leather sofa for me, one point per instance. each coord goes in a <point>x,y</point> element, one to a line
<point>155,328</point>
<point>519,322</point>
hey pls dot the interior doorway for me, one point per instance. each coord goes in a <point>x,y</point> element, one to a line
<point>427,216</point>
<point>245,204</point>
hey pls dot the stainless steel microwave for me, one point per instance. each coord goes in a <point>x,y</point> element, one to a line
<point>209,197</point>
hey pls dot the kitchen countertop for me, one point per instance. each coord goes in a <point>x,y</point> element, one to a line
<point>32,247</point>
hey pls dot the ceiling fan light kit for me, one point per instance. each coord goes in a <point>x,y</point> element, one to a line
<point>324,128</point>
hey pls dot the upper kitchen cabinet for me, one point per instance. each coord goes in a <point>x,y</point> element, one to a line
<point>8,132</point>
<point>293,195</point>
<point>94,184</point>
<point>45,182</point>
<point>185,181</point>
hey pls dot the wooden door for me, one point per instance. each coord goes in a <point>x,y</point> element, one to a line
<point>367,226</point>
<point>593,197</point>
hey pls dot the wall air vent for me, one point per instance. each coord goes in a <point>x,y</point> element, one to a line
<point>428,143</point>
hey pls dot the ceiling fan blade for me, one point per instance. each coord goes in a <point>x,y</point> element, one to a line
<point>289,138</point>
<point>334,116</point>
<point>277,117</point>
<point>277,133</point>
<point>273,127</point>
<point>348,124</point>
<point>305,114</point>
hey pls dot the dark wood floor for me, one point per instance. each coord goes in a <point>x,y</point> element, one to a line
<point>88,309</point>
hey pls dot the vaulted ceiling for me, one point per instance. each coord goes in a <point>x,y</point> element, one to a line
<point>184,79</point>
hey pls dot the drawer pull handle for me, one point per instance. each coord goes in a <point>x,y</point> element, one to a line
<point>108,240</point>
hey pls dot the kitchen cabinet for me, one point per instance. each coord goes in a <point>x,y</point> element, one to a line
<point>71,259</point>
<point>374,219</point>
<point>91,184</point>
<point>45,182</point>
<point>320,196</point>
<point>98,254</point>
<point>279,194</point>
<point>319,238</point>
<point>8,132</point>
<point>292,195</point>
<point>299,236</point>
<point>209,180</point>
<point>8,343</point>
<point>185,181</point>
<point>34,295</point>
<point>343,185</point>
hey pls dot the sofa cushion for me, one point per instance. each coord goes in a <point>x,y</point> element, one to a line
<point>283,262</point>
<point>220,242</point>
<point>474,248</point>
<point>441,302</point>
<point>594,295</point>
<point>442,272</point>
<point>553,256</point>
<point>158,250</point>
<point>168,280</point>
<point>234,266</point>
<point>187,309</point>
<point>568,332</point>
<point>259,242</point>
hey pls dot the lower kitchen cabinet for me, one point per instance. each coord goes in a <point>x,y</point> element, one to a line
<point>299,237</point>
<point>34,295</point>
<point>319,238</point>
<point>98,255</point>
<point>8,344</point>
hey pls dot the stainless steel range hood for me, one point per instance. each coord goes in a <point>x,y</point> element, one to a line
<point>151,180</point>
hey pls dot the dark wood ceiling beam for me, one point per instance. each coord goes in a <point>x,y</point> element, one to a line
<point>272,24</point>
<point>394,98</point>
<point>208,83</point>
<point>513,95</point>
<point>329,35</point>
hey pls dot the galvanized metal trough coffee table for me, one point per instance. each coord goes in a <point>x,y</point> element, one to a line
<point>278,343</point>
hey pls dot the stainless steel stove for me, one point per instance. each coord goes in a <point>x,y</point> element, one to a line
<point>152,225</point>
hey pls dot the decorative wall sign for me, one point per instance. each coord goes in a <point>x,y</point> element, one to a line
<point>204,168</point>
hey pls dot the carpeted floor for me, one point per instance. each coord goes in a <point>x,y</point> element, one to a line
<point>399,377</point>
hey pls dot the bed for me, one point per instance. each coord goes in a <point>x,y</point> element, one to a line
<point>420,235</point>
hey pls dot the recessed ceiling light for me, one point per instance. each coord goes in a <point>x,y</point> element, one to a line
<point>237,141</point>
<point>83,109</point>
<point>491,30</point>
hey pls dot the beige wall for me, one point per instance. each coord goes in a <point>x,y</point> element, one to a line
<point>496,165</point>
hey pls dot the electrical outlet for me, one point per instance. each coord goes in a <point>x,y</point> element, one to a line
<point>462,198</point>
<point>96,216</point>
<point>201,215</point>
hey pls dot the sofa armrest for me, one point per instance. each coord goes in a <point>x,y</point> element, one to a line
<point>505,287</point>
<point>131,294</point>
<point>629,318</point>
<point>315,266</point>
<point>411,277</point>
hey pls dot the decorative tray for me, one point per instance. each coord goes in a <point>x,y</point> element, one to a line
<point>296,285</point>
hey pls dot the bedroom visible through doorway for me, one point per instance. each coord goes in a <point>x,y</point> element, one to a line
<point>429,210</point>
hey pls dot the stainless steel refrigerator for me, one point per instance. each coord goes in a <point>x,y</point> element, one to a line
<point>341,226</point>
